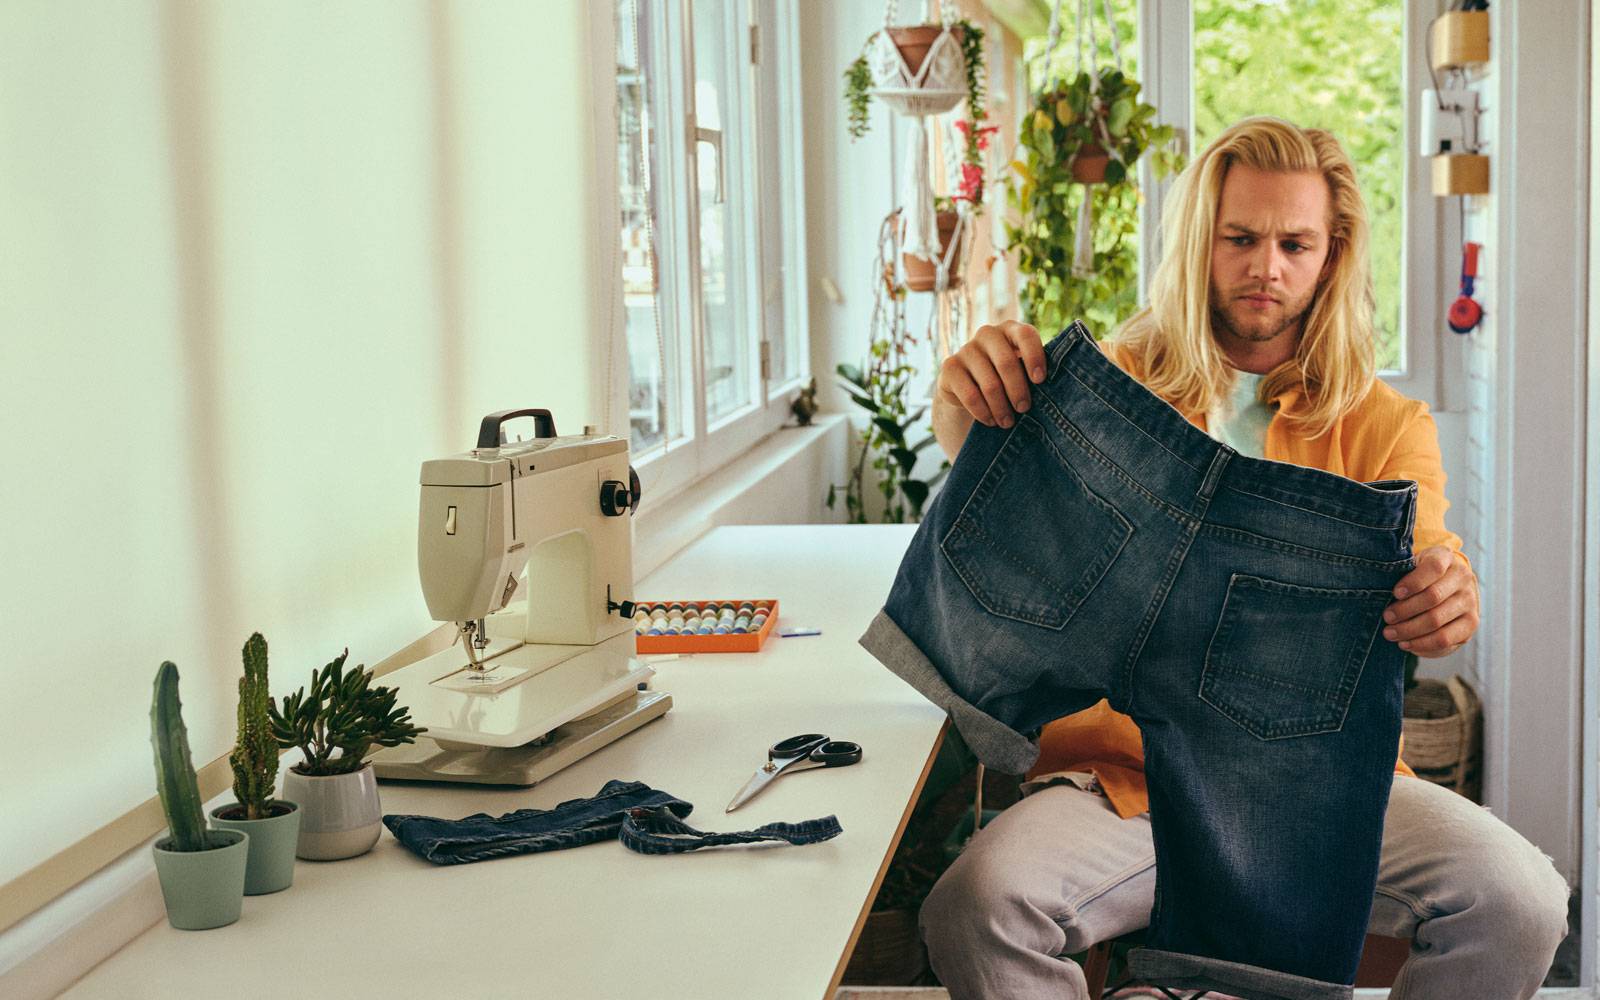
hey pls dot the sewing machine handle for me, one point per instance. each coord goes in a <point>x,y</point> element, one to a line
<point>489,434</point>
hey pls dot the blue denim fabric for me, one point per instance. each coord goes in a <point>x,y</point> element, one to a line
<point>660,831</point>
<point>1104,547</point>
<point>646,820</point>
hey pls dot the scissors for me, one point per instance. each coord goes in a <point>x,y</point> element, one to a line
<point>797,753</point>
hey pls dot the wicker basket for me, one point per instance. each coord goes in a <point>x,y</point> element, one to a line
<point>1443,728</point>
<point>889,951</point>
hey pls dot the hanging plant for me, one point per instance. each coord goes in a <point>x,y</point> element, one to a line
<point>881,386</point>
<point>1074,133</point>
<point>923,275</point>
<point>913,43</point>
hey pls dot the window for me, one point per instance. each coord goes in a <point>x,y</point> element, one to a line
<point>1350,67</point>
<point>1353,68</point>
<point>713,280</point>
<point>1326,65</point>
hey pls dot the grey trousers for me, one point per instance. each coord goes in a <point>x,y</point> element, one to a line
<point>1060,871</point>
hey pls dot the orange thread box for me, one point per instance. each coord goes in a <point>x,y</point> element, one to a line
<point>707,615</point>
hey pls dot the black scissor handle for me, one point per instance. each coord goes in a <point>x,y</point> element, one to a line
<point>837,753</point>
<point>796,746</point>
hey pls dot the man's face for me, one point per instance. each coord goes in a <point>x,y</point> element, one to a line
<point>1267,255</point>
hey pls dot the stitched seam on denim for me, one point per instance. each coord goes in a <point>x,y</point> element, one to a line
<point>1322,554</point>
<point>1216,670</point>
<point>1069,601</point>
<point>1311,510</point>
<point>1355,682</point>
<point>1174,565</point>
<point>1065,426</point>
<point>966,527</point>
<point>1068,342</point>
<point>1280,682</point>
<point>1272,586</point>
<point>1152,749</point>
<point>1134,423</point>
<point>1208,485</point>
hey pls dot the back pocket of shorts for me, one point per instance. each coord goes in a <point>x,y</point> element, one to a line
<point>1033,540</point>
<point>1285,659</point>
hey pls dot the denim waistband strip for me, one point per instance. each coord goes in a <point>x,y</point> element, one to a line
<point>645,819</point>
<point>1074,355</point>
<point>660,831</point>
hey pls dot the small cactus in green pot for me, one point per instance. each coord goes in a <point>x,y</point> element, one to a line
<point>201,871</point>
<point>273,824</point>
<point>255,756</point>
<point>175,778</point>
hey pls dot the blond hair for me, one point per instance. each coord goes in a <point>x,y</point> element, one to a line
<point>1172,338</point>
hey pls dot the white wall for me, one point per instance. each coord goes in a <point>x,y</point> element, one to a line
<point>850,187</point>
<point>261,261</point>
<point>1525,430</point>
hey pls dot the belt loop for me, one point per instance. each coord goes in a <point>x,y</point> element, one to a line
<point>1411,521</point>
<point>1219,461</point>
<point>1064,343</point>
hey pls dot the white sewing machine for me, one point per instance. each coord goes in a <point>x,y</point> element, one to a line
<point>530,687</point>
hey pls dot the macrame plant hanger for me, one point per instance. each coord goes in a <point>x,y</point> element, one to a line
<point>950,302</point>
<point>936,86</point>
<point>1083,244</point>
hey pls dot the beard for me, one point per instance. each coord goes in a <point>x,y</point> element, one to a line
<point>1244,323</point>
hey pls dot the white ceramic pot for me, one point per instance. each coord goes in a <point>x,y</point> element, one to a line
<point>340,815</point>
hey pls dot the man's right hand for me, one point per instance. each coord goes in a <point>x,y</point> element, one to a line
<point>987,380</point>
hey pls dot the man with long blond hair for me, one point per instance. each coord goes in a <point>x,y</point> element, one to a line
<point>1259,332</point>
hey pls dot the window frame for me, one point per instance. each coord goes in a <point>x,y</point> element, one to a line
<point>760,195</point>
<point>1166,53</point>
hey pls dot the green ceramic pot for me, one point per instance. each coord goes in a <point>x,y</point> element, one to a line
<point>203,888</point>
<point>272,844</point>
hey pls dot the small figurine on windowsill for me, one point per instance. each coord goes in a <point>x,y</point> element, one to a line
<point>805,405</point>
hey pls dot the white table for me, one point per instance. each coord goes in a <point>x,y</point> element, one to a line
<point>601,921</point>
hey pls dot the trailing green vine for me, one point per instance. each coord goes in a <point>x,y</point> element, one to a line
<point>1067,119</point>
<point>881,386</point>
<point>858,96</point>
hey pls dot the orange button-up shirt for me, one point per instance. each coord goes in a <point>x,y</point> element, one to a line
<point>1387,436</point>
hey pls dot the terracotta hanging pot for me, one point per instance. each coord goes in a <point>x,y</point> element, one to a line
<point>1090,165</point>
<point>922,275</point>
<point>915,40</point>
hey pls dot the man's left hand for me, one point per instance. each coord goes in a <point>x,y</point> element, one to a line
<point>1437,607</point>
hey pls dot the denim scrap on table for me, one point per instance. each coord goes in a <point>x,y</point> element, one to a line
<point>1105,547</point>
<point>658,830</point>
<point>644,819</point>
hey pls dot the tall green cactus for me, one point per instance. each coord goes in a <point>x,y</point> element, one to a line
<point>255,756</point>
<point>175,777</point>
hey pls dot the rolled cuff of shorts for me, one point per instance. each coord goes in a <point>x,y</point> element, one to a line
<point>997,745</point>
<point>1249,982</point>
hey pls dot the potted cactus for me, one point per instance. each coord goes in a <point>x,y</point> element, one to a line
<point>335,726</point>
<point>201,870</point>
<point>273,824</point>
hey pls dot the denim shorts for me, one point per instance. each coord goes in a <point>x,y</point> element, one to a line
<point>1104,547</point>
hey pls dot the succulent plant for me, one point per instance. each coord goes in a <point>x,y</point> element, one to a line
<point>255,755</point>
<point>175,778</point>
<point>342,713</point>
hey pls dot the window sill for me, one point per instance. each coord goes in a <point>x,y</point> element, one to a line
<point>783,479</point>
